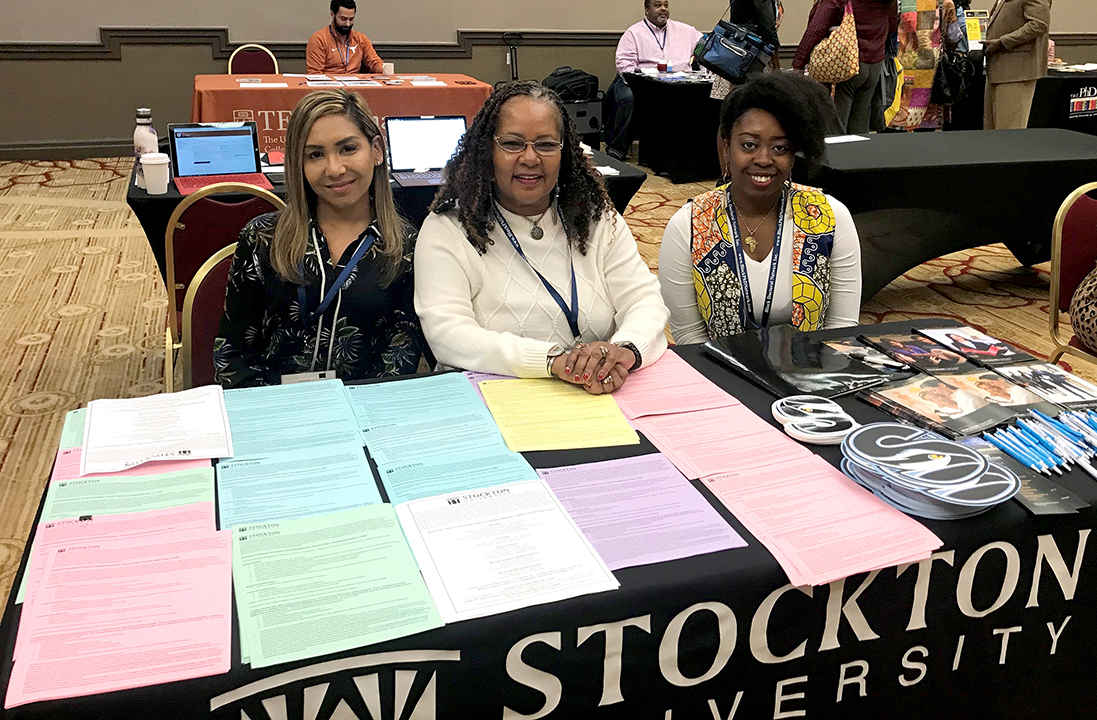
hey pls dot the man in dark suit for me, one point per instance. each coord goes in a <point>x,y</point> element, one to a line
<point>1016,53</point>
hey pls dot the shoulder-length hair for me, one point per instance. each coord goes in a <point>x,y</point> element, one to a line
<point>469,185</point>
<point>291,234</point>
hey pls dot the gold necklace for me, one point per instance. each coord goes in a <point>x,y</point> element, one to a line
<point>749,240</point>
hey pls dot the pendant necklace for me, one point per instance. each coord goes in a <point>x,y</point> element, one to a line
<point>536,232</point>
<point>748,239</point>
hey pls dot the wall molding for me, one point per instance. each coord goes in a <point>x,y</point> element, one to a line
<point>111,41</point>
<point>66,149</point>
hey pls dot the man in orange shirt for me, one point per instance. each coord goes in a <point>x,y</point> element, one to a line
<point>338,49</point>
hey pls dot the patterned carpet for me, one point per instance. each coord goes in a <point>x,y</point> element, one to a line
<point>82,308</point>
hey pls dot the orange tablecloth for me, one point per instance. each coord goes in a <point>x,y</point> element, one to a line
<point>220,98</point>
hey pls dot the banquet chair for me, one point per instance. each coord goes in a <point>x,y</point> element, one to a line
<point>252,59</point>
<point>1073,256</point>
<point>199,227</point>
<point>202,309</point>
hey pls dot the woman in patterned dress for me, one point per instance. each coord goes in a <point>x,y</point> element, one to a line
<point>921,24</point>
<point>760,250</point>
<point>326,284</point>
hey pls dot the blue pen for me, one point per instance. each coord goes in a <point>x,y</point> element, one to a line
<point>1036,445</point>
<point>1072,434</point>
<point>1038,456</point>
<point>1047,436</point>
<point>1036,439</point>
<point>1023,458</point>
<point>1037,453</point>
<point>1068,447</point>
<point>1088,433</point>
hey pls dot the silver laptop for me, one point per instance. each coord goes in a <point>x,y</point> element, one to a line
<point>420,147</point>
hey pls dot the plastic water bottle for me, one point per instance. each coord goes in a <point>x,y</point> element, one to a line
<point>144,140</point>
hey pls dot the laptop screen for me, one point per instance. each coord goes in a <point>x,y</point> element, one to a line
<point>423,142</point>
<point>221,149</point>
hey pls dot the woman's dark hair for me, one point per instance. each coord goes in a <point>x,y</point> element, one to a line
<point>802,107</point>
<point>469,185</point>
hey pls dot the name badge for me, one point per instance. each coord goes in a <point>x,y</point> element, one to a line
<point>309,377</point>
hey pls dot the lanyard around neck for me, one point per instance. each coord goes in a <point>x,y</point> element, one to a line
<point>662,45</point>
<point>366,243</point>
<point>346,60</point>
<point>572,312</point>
<point>746,305</point>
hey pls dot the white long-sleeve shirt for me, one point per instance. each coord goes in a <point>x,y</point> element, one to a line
<point>680,295</point>
<point>491,313</point>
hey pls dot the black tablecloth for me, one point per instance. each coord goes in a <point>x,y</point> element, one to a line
<point>676,124</point>
<point>154,211</point>
<point>1065,100</point>
<point>1000,624</point>
<point>917,196</point>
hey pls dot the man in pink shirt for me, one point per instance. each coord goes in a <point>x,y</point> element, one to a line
<point>654,40</point>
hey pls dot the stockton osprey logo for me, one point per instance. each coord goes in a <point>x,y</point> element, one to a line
<point>400,685</point>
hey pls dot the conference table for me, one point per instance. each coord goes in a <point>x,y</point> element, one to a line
<point>224,98</point>
<point>1000,623</point>
<point>917,196</point>
<point>154,211</point>
<point>676,121</point>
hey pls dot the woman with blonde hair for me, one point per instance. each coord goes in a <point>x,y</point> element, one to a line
<point>326,284</point>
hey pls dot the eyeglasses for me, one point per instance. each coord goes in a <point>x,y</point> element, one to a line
<point>515,145</point>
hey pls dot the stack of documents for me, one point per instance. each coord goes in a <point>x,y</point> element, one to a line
<point>119,434</point>
<point>431,436</point>
<point>640,510</point>
<point>489,551</point>
<point>553,415</point>
<point>298,454</point>
<point>817,524</point>
<point>93,581</point>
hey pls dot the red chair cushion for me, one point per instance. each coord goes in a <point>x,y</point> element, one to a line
<point>1078,252</point>
<point>209,305</point>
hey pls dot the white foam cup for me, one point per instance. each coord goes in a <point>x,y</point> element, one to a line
<point>156,172</point>
<point>389,69</point>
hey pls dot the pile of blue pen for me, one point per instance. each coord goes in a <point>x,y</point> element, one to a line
<point>1048,444</point>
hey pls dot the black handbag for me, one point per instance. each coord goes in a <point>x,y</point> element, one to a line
<point>952,79</point>
<point>732,51</point>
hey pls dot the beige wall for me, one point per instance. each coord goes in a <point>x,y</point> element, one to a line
<point>398,20</point>
<point>91,101</point>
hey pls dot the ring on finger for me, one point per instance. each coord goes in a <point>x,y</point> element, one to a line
<point>605,351</point>
<point>580,346</point>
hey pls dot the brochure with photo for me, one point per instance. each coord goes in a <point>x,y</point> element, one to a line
<point>977,346</point>
<point>1053,384</point>
<point>785,362</point>
<point>995,389</point>
<point>921,352</point>
<point>933,403</point>
<point>866,354</point>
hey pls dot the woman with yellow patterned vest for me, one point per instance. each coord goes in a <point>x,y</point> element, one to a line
<point>759,250</point>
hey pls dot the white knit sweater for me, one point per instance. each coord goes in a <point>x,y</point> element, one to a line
<point>491,313</point>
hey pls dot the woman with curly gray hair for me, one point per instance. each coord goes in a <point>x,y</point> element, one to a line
<point>523,267</point>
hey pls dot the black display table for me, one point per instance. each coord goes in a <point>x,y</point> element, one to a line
<point>1065,100</point>
<point>676,123</point>
<point>917,196</point>
<point>154,211</point>
<point>1001,623</point>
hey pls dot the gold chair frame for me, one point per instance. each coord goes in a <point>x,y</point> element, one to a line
<point>172,340</point>
<point>1054,311</point>
<point>186,354</point>
<point>247,46</point>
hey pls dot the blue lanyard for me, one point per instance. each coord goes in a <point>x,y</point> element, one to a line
<point>571,313</point>
<point>746,305</point>
<point>662,45</point>
<point>363,248</point>
<point>346,60</point>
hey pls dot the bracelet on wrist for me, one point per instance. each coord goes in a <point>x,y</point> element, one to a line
<point>636,352</point>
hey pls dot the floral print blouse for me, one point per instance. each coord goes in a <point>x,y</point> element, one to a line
<point>366,332</point>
